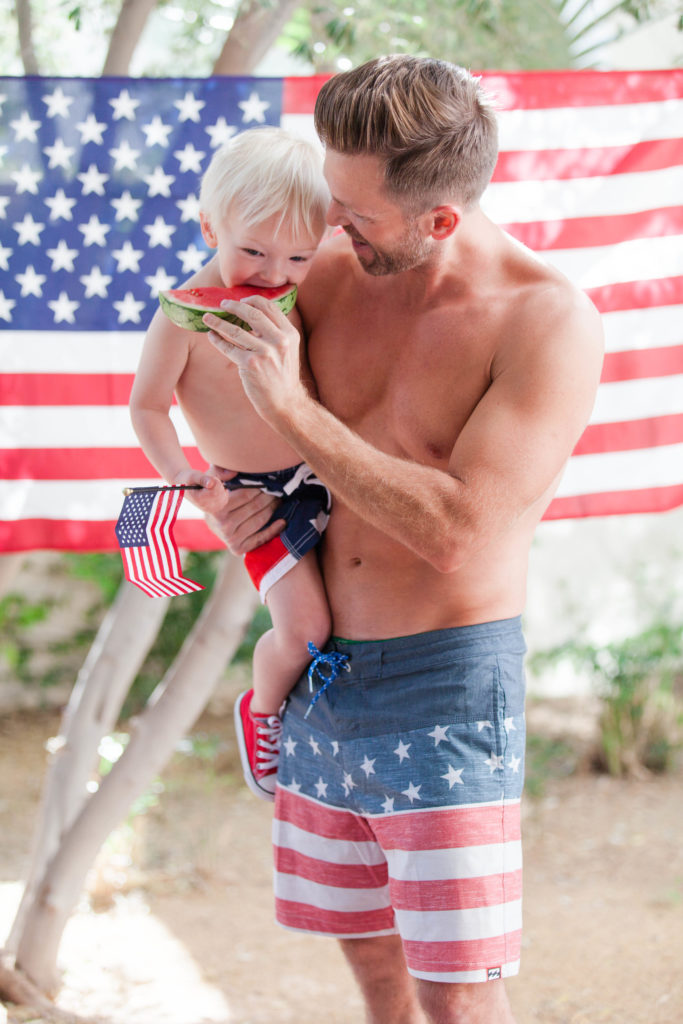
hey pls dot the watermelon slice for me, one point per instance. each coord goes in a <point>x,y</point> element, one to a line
<point>186,306</point>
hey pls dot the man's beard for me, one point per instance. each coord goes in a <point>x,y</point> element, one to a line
<point>412,250</point>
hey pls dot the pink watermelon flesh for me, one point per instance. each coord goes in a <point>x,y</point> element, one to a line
<point>187,306</point>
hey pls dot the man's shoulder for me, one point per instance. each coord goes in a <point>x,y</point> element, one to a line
<point>542,299</point>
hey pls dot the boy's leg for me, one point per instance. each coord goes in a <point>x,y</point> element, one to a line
<point>299,612</point>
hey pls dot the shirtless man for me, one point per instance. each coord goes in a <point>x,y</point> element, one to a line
<point>455,373</point>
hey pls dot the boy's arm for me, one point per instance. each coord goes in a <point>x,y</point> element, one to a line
<point>164,356</point>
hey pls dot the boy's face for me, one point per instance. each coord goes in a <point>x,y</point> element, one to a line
<point>255,255</point>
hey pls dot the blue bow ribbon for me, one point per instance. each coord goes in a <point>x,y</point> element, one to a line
<point>327,665</point>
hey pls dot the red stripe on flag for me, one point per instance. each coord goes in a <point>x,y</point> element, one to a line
<point>541,90</point>
<point>92,535</point>
<point>628,435</point>
<point>301,917</point>
<point>343,876</point>
<point>299,94</point>
<point>455,893</point>
<point>616,503</point>
<point>127,464</point>
<point>658,291</point>
<point>534,90</point>
<point>564,164</point>
<point>466,955</point>
<point>635,364</point>
<point>584,232</point>
<point>66,388</point>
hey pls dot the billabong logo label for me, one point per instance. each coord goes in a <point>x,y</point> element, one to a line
<point>494,974</point>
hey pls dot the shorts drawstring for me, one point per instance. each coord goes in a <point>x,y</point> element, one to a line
<point>332,662</point>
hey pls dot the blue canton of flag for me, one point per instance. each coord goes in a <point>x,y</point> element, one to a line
<point>99,186</point>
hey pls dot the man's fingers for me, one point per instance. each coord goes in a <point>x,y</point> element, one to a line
<point>255,540</point>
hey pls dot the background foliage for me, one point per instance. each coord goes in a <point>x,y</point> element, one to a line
<point>185,37</point>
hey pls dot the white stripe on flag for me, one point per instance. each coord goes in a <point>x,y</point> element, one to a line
<point>587,127</point>
<point>628,329</point>
<point>76,426</point>
<point>631,400</point>
<point>70,351</point>
<point>635,260</point>
<point>81,500</point>
<point>623,471</point>
<point>512,202</point>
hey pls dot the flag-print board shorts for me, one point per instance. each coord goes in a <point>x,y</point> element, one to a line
<point>397,808</point>
<point>305,507</point>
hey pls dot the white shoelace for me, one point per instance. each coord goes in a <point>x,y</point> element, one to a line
<point>268,736</point>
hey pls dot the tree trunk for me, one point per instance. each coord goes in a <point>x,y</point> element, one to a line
<point>256,27</point>
<point>126,35</point>
<point>25,29</point>
<point>119,649</point>
<point>172,709</point>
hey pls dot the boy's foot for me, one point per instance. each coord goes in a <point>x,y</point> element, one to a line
<point>258,737</point>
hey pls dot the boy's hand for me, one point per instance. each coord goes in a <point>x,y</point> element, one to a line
<point>211,488</point>
<point>239,517</point>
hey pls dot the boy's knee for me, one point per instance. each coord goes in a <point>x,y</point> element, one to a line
<point>318,629</point>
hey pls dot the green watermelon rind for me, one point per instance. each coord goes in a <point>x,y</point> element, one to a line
<point>190,317</point>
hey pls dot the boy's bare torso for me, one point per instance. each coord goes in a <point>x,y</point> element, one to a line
<point>227,429</point>
<point>406,376</point>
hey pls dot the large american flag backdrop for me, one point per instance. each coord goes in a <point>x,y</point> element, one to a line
<point>98,212</point>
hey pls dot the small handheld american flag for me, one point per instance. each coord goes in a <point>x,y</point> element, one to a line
<point>144,531</point>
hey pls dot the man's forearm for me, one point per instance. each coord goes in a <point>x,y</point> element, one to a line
<point>422,507</point>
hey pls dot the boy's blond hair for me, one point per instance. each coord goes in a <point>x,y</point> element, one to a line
<point>263,172</point>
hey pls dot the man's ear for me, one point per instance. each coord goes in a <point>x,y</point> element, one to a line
<point>207,231</point>
<point>444,221</point>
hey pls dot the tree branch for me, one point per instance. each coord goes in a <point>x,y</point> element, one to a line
<point>255,29</point>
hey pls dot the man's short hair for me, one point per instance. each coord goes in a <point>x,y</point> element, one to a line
<point>263,172</point>
<point>429,120</point>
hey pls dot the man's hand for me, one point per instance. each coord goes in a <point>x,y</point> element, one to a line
<point>267,357</point>
<point>239,517</point>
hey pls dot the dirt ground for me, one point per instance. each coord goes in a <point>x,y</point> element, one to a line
<point>177,926</point>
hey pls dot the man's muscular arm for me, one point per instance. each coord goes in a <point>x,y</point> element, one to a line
<point>505,459</point>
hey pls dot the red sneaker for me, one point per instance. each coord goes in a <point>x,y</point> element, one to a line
<point>258,737</point>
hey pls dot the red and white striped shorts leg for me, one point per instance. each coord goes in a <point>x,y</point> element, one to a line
<point>449,881</point>
<point>331,876</point>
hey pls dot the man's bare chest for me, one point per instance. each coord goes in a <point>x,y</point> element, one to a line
<point>406,384</point>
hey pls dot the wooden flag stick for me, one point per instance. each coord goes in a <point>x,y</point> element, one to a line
<point>168,487</point>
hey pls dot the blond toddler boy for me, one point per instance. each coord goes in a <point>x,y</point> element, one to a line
<point>262,204</point>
